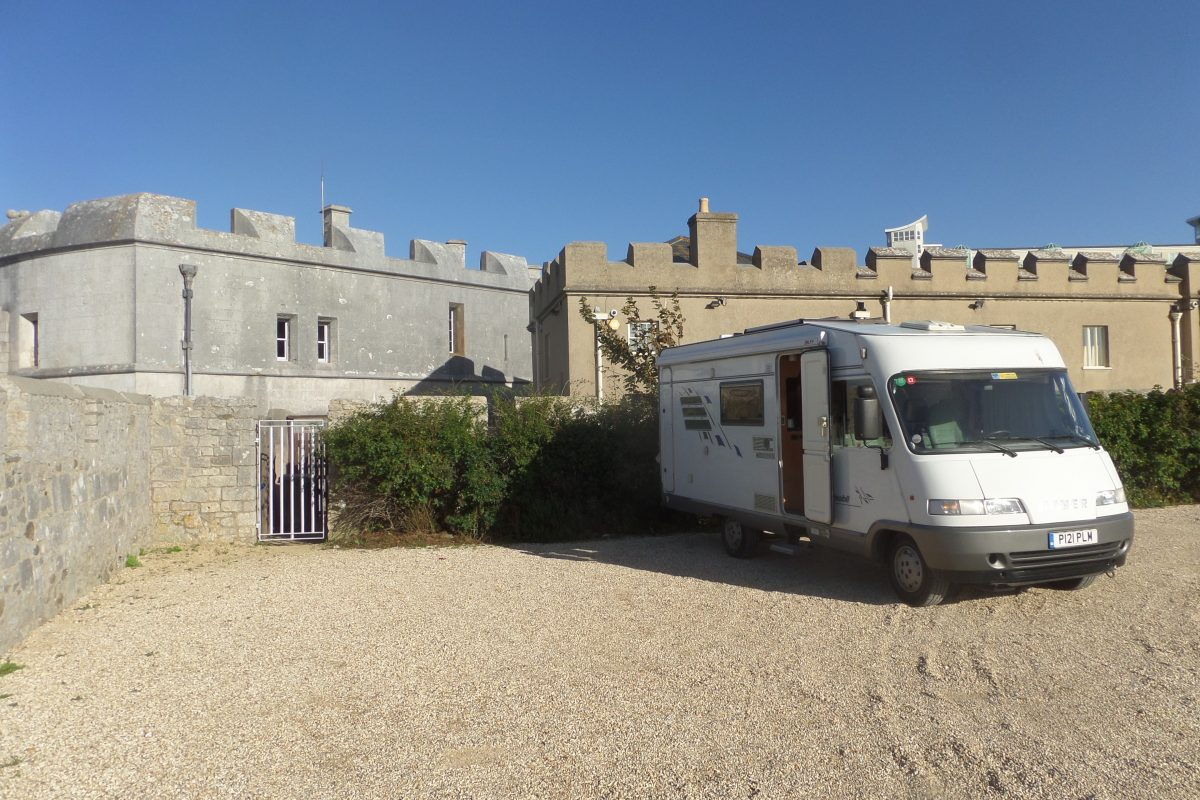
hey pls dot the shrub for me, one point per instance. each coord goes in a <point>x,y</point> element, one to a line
<point>577,470</point>
<point>409,456</point>
<point>548,468</point>
<point>1154,440</point>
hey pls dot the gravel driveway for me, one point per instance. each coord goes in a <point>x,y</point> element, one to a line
<point>646,667</point>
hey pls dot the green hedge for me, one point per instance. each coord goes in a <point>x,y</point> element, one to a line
<point>546,469</point>
<point>1154,440</point>
<point>553,469</point>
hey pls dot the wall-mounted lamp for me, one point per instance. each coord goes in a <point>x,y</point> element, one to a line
<point>188,271</point>
<point>978,304</point>
<point>716,302</point>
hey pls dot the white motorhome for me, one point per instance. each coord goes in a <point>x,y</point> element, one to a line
<point>954,454</point>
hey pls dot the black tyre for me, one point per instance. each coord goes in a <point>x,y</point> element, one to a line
<point>739,541</point>
<point>912,579</point>
<point>1072,584</point>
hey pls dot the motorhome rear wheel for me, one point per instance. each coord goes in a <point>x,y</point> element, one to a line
<point>740,541</point>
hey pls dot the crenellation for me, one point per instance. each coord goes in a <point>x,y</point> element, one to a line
<point>891,265</point>
<point>28,231</point>
<point>262,225</point>
<point>650,256</point>
<point>947,267</point>
<point>1130,262</point>
<point>775,258</point>
<point>1098,265</point>
<point>835,259</point>
<point>444,254</point>
<point>502,263</point>
<point>579,259</point>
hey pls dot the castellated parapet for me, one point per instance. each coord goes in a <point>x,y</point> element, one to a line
<point>714,268</point>
<point>93,295</point>
<point>723,291</point>
<point>172,221</point>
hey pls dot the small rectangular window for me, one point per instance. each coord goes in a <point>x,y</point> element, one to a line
<point>639,335</point>
<point>457,338</point>
<point>1095,346</point>
<point>324,341</point>
<point>742,403</point>
<point>29,353</point>
<point>283,338</point>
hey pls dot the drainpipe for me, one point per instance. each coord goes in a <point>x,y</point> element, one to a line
<point>188,271</point>
<point>599,319</point>
<point>886,301</point>
<point>1176,347</point>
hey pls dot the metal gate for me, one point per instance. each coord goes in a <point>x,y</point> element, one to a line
<point>292,487</point>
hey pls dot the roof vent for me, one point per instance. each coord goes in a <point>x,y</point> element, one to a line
<point>931,325</point>
<point>860,311</point>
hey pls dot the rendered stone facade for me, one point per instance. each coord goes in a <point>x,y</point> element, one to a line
<point>1134,298</point>
<point>93,296</point>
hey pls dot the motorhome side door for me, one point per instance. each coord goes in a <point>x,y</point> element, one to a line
<point>818,461</point>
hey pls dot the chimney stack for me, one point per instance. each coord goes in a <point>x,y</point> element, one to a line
<point>335,217</point>
<point>714,237</point>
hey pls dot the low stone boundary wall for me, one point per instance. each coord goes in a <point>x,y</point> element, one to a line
<point>75,494</point>
<point>202,470</point>
<point>92,475</point>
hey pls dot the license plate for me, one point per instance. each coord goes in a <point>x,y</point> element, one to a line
<point>1060,539</point>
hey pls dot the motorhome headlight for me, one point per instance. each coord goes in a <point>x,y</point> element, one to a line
<point>1111,496</point>
<point>1007,505</point>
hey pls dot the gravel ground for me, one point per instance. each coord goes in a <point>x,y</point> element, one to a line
<point>646,667</point>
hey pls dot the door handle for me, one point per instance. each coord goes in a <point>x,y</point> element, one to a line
<point>824,423</point>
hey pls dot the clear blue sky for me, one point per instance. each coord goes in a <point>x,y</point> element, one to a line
<point>522,126</point>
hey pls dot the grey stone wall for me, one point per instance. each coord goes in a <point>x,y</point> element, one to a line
<point>74,500</point>
<point>92,475</point>
<point>202,470</point>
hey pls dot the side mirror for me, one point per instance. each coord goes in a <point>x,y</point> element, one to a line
<point>868,424</point>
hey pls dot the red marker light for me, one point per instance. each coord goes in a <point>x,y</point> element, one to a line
<point>910,380</point>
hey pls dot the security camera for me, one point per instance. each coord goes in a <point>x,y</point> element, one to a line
<point>612,313</point>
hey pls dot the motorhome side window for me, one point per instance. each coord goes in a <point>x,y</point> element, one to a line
<point>841,413</point>
<point>742,403</point>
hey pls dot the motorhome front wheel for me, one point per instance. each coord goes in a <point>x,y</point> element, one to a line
<point>913,580</point>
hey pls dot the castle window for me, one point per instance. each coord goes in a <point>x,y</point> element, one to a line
<point>283,338</point>
<point>457,336</point>
<point>28,354</point>
<point>324,340</point>
<point>1095,347</point>
<point>639,335</point>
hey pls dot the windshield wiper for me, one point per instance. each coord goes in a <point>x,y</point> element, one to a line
<point>990,443</point>
<point>1075,437</point>
<point>1037,439</point>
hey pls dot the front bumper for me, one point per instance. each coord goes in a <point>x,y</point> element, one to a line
<point>1015,556</point>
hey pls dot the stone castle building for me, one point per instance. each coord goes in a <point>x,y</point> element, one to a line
<point>1121,321</point>
<point>93,296</point>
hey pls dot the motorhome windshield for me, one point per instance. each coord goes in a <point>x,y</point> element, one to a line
<point>1005,411</point>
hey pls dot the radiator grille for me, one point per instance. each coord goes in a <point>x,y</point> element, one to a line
<point>1073,555</point>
